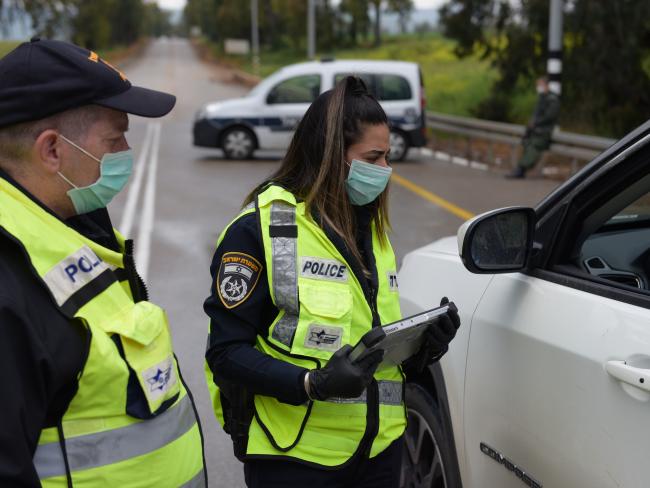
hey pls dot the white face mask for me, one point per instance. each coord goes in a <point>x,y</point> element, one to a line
<point>541,89</point>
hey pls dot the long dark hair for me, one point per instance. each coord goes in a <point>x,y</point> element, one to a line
<point>314,168</point>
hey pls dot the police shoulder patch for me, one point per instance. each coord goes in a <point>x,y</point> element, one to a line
<point>237,278</point>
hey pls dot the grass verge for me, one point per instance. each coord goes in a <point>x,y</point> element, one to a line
<point>7,46</point>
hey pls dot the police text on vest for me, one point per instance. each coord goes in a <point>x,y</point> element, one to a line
<point>323,269</point>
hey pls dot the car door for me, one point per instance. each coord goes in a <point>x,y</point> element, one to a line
<point>557,374</point>
<point>284,106</point>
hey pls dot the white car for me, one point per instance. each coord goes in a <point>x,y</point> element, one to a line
<point>548,381</point>
<point>266,118</point>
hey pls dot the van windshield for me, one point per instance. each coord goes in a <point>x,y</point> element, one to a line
<point>265,84</point>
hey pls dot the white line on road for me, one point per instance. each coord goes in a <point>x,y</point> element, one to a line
<point>134,190</point>
<point>143,248</point>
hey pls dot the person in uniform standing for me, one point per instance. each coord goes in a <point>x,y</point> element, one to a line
<point>537,138</point>
<point>298,277</point>
<point>94,395</point>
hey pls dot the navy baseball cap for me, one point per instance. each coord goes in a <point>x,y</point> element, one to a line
<point>44,77</point>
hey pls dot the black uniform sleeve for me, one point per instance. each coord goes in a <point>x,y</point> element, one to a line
<point>240,308</point>
<point>23,407</point>
<point>41,356</point>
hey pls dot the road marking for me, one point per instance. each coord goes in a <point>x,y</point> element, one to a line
<point>431,197</point>
<point>134,190</point>
<point>143,248</point>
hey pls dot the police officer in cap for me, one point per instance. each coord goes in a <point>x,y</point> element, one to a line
<point>298,277</point>
<point>93,391</point>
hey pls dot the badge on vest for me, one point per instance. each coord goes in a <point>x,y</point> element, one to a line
<point>323,269</point>
<point>238,276</point>
<point>72,273</point>
<point>159,379</point>
<point>323,337</point>
<point>392,281</point>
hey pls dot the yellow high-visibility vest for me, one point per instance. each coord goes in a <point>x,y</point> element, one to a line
<point>105,445</point>
<point>322,307</point>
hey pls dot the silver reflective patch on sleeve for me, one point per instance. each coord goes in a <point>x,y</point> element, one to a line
<point>72,273</point>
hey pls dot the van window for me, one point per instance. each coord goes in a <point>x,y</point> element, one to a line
<point>299,89</point>
<point>383,87</point>
<point>393,87</point>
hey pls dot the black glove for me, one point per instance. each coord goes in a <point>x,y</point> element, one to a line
<point>341,377</point>
<point>437,339</point>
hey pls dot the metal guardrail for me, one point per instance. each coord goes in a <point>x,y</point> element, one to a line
<point>575,147</point>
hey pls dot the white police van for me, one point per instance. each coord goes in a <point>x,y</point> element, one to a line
<point>267,116</point>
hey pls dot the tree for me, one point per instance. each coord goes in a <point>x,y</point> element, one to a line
<point>202,14</point>
<point>92,24</point>
<point>48,17</point>
<point>403,9</point>
<point>377,4</point>
<point>605,86</point>
<point>357,11</point>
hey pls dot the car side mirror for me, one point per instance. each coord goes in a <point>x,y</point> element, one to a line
<point>499,241</point>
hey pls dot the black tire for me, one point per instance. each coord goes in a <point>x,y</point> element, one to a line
<point>399,146</point>
<point>429,457</point>
<point>238,143</point>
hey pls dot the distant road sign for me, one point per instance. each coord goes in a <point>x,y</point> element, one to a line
<point>237,46</point>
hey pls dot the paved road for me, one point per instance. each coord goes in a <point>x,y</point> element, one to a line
<point>180,198</point>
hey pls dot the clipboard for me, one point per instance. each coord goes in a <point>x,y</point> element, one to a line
<point>399,340</point>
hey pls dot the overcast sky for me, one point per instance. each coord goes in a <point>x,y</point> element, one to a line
<point>176,4</point>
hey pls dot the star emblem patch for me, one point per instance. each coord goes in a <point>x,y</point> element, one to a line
<point>238,276</point>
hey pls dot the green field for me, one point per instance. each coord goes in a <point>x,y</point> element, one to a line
<point>6,46</point>
<point>452,85</point>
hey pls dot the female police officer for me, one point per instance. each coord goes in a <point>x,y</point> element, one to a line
<point>301,274</point>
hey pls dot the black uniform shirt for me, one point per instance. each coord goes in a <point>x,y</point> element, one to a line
<point>235,324</point>
<point>41,352</point>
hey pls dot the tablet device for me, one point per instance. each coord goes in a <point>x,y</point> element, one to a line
<point>399,340</point>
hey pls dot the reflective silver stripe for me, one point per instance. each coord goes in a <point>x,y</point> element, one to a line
<point>250,206</point>
<point>285,328</point>
<point>197,482</point>
<point>390,393</point>
<point>285,273</point>
<point>113,446</point>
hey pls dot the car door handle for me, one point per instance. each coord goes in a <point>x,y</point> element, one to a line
<point>622,371</point>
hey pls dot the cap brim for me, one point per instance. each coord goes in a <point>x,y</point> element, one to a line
<point>140,101</point>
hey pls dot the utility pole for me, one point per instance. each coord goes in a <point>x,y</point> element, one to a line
<point>311,29</point>
<point>554,62</point>
<point>255,38</point>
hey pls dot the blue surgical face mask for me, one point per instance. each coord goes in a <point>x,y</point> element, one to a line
<point>366,181</point>
<point>114,172</point>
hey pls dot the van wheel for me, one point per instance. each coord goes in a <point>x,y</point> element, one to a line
<point>399,146</point>
<point>428,458</point>
<point>238,143</point>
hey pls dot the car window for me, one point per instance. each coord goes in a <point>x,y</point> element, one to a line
<point>637,211</point>
<point>384,87</point>
<point>299,89</point>
<point>619,250</point>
